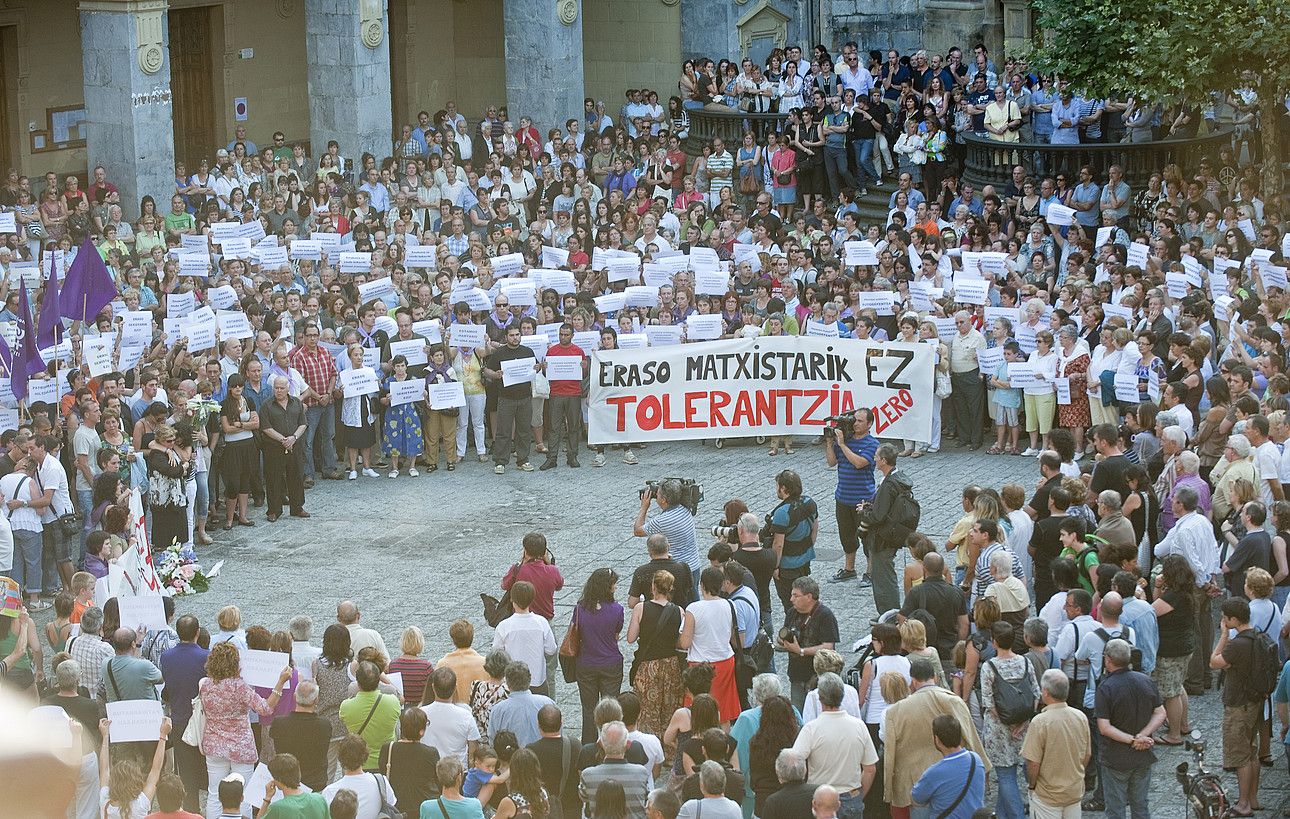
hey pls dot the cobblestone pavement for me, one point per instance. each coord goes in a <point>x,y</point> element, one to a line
<point>419,551</point>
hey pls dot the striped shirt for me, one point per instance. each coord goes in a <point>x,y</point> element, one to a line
<point>856,485</point>
<point>677,525</point>
<point>720,162</point>
<point>635,780</point>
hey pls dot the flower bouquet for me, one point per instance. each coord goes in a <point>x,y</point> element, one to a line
<point>179,570</point>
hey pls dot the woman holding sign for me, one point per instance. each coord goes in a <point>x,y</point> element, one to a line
<point>1040,398</point>
<point>359,423</point>
<point>401,433</point>
<point>241,459</point>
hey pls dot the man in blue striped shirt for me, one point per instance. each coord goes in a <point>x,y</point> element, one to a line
<point>854,455</point>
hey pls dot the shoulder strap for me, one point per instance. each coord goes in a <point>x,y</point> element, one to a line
<point>442,809</point>
<point>112,679</point>
<point>566,757</point>
<point>967,784</point>
<point>370,714</point>
<point>389,758</point>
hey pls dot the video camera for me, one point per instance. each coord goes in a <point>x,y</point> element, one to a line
<point>691,492</point>
<point>843,422</point>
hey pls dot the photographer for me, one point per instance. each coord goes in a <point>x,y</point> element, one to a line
<point>809,626</point>
<point>757,559</point>
<point>793,526</point>
<point>886,523</point>
<point>537,566</point>
<point>673,521</point>
<point>852,450</point>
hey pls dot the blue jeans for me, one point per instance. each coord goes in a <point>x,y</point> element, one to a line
<point>85,497</point>
<point>691,105</point>
<point>202,503</point>
<point>1126,789</point>
<point>852,807</point>
<point>835,167</point>
<point>28,548</point>
<point>864,161</point>
<point>1010,805</point>
<point>321,432</point>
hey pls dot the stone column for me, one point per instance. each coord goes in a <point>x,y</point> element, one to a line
<point>126,68</point>
<point>348,47</point>
<point>544,61</point>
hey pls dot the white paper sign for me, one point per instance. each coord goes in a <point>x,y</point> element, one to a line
<point>234,324</point>
<point>819,328</point>
<point>512,264</point>
<point>194,264</point>
<point>661,336</point>
<point>714,283</point>
<point>97,352</point>
<point>622,269</point>
<point>1063,386</point>
<point>467,335</point>
<point>263,668</point>
<point>236,248</point>
<point>376,289</point>
<point>703,328</point>
<point>413,349</point>
<point>1022,374</point>
<point>306,249</point>
<point>8,222</point>
<point>1137,256</point>
<point>859,253</point>
<point>136,327</point>
<point>407,392</point>
<point>561,281</point>
<point>432,329</point>
<point>880,301</point>
<point>971,291</point>
<point>419,256</point>
<point>564,368</point>
<point>135,720</point>
<point>143,611</point>
<point>1060,215</point>
<point>221,298</point>
<point>627,341</point>
<point>1104,235</point>
<point>989,359</point>
<point>447,396</point>
<point>587,340</point>
<point>517,371</point>
<point>179,305</point>
<point>554,256</point>
<point>272,258</point>
<point>538,344</point>
<point>361,381</point>
<point>641,295</point>
<point>611,302</point>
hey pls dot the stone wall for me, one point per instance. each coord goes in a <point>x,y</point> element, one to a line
<point>46,74</point>
<point>630,44</point>
<point>907,25</point>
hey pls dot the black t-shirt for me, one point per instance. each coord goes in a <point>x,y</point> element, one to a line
<point>412,774</point>
<point>524,389</point>
<point>945,603</point>
<point>82,709</point>
<point>761,563</point>
<point>1047,543</point>
<point>1109,474</point>
<point>861,127</point>
<point>1251,552</point>
<point>1040,501</point>
<point>980,99</point>
<point>304,736</point>
<point>820,626</point>
<point>790,802</point>
<point>734,786</point>
<point>644,576</point>
<point>590,755</point>
<point>772,222</point>
<point>560,790</point>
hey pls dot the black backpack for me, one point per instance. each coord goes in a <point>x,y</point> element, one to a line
<point>1265,664</point>
<point>908,513</point>
<point>1013,699</point>
<point>1135,653</point>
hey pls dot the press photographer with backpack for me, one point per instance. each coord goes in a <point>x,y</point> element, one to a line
<point>885,524</point>
<point>1250,663</point>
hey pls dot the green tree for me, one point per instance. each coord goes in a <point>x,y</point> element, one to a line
<point>1170,50</point>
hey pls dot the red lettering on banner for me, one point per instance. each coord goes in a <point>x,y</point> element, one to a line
<point>691,410</point>
<point>620,405</point>
<point>649,413</point>
<point>848,403</point>
<point>720,400</point>
<point>766,409</point>
<point>668,421</point>
<point>819,396</point>
<point>789,395</point>
<point>744,410</point>
<point>891,410</point>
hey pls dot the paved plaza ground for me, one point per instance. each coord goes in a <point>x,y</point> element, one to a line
<point>419,551</point>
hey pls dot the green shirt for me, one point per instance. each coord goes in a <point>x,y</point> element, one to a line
<point>179,221</point>
<point>380,728</point>
<point>298,806</point>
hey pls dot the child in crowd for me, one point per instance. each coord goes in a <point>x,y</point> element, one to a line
<point>482,778</point>
<point>1007,403</point>
<point>83,592</point>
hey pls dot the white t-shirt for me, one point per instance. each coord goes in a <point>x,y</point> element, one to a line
<point>528,638</point>
<point>1267,458</point>
<point>365,786</point>
<point>712,626</point>
<point>86,442</point>
<point>141,805</point>
<point>653,751</point>
<point>449,726</point>
<point>23,517</point>
<point>850,703</point>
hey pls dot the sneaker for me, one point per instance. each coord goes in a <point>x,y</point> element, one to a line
<point>630,458</point>
<point>864,191</point>
<point>865,581</point>
<point>1030,452</point>
<point>394,473</point>
<point>483,459</point>
<point>39,605</point>
<point>842,575</point>
<point>526,467</point>
<point>599,460</point>
<point>413,473</point>
<point>499,469</point>
<point>353,476</point>
<point>370,473</point>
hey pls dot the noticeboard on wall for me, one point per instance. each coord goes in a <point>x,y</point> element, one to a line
<point>65,128</point>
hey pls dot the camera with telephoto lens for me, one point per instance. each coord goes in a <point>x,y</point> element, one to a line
<point>863,524</point>
<point>691,492</point>
<point>843,422</point>
<point>790,634</point>
<point>729,534</point>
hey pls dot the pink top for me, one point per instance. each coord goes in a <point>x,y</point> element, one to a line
<point>225,704</point>
<point>780,161</point>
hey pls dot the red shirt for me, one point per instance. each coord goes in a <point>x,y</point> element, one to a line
<point>546,580</point>
<point>566,388</point>
<point>318,369</point>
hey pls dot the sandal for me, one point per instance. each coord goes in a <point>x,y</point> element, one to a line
<point>788,450</point>
<point>918,453</point>
<point>773,452</point>
<point>1164,741</point>
<point>994,450</point>
<point>541,448</point>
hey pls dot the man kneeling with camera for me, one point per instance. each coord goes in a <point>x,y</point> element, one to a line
<point>885,523</point>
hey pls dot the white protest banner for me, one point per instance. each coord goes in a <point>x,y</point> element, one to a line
<point>1176,284</point>
<point>656,276</point>
<point>538,344</point>
<point>376,289</point>
<point>1273,276</point>
<point>447,396</point>
<point>1126,387</point>
<point>306,249</point>
<point>200,333</point>
<point>222,231</point>
<point>610,302</point>
<point>641,295</point>
<point>419,256</point>
<point>773,385</point>
<point>554,256</point>
<point>407,392</point>
<point>564,368</point>
<point>587,340</point>
<point>372,357</point>
<point>264,668</point>
<point>361,381</point>
<point>971,291</point>
<point>1060,215</point>
<point>147,611</point>
<point>134,720</point>
<point>413,349</point>
<point>945,329</point>
<point>1012,314</point>
<point>233,324</point>
<point>1022,374</point>
<point>1063,386</point>
<point>476,299</point>
<point>328,240</point>
<point>179,305</point>
<point>517,371</point>
<point>222,298</point>
<point>1026,337</point>
<point>819,329</point>
<point>1104,235</point>
<point>920,296</point>
<point>521,292</point>
<point>272,258</point>
<point>236,249</point>
<point>8,222</point>
<point>42,389</point>
<point>561,281</point>
<point>703,328</point>
<point>711,283</point>
<point>97,352</point>
<point>862,252</point>
<point>1137,255</point>
<point>662,336</point>
<point>674,261</point>
<point>431,329</point>
<point>467,335</point>
<point>704,258</point>
<point>194,264</point>
<point>252,231</point>
<point>193,241</point>
<point>512,264</point>
<point>626,341</point>
<point>994,263</point>
<point>880,301</point>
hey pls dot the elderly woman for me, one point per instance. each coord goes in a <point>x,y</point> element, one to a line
<point>1040,397</point>
<point>930,335</point>
<point>1103,362</point>
<point>484,694</point>
<point>1073,364</point>
<point>827,660</point>
<point>226,699</point>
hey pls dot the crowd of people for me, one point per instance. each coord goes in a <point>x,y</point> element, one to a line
<point>289,313</point>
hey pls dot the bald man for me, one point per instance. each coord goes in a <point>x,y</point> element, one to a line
<point>348,615</point>
<point>825,803</point>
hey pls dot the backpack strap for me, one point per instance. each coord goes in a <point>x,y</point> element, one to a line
<point>966,785</point>
<point>370,714</point>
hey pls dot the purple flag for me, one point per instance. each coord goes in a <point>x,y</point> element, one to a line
<point>49,329</point>
<point>88,287</point>
<point>28,361</point>
<point>6,357</point>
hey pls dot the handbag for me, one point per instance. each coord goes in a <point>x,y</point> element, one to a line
<point>541,386</point>
<point>745,666</point>
<point>196,723</point>
<point>70,524</point>
<point>943,385</point>
<point>387,810</point>
<point>749,184</point>
<point>569,648</point>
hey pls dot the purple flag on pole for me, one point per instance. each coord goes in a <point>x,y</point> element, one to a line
<point>88,287</point>
<point>49,329</point>
<point>28,361</point>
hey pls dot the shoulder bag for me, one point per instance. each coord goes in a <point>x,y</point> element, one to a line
<point>196,726</point>
<point>387,810</point>
<point>945,814</point>
<point>370,714</point>
<point>569,648</point>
